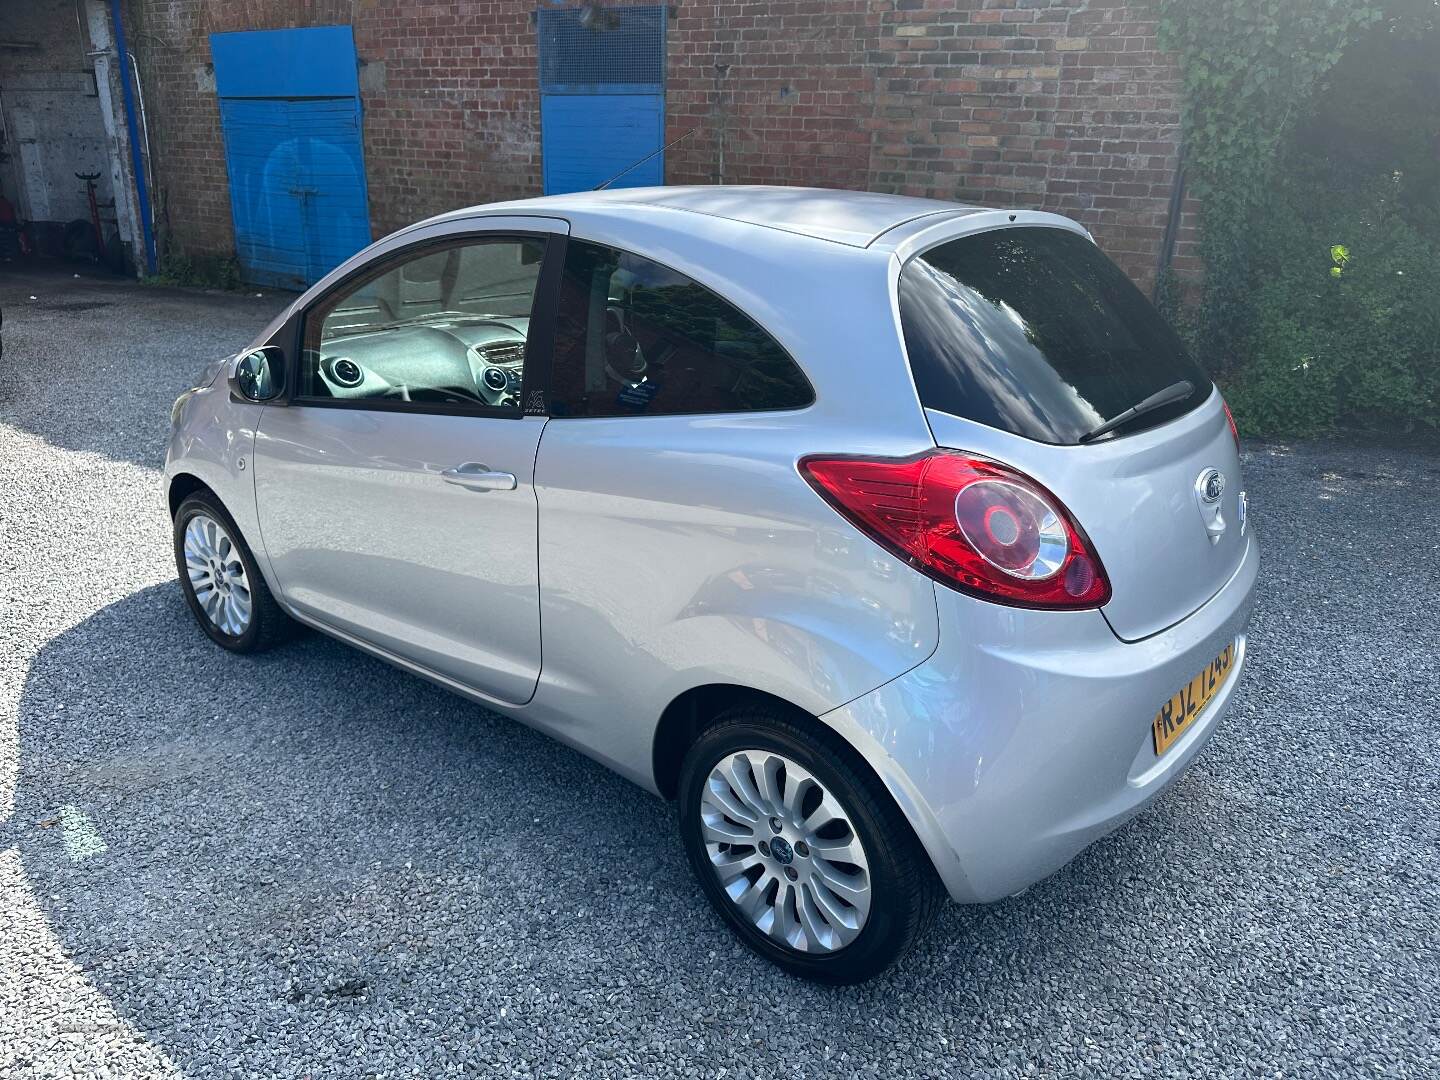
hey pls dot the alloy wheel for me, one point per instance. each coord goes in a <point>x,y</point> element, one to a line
<point>217,575</point>
<point>785,851</point>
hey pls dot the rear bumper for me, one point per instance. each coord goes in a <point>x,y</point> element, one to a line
<point>1026,736</point>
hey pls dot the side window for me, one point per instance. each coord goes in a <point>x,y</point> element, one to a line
<point>633,337</point>
<point>447,326</point>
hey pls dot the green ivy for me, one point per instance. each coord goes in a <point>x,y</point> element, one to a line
<point>208,272</point>
<point>1310,128</point>
<point>1340,332</point>
<point>1250,68</point>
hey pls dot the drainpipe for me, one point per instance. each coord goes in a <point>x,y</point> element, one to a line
<point>144,124</point>
<point>132,128</point>
<point>721,72</point>
<point>1172,223</point>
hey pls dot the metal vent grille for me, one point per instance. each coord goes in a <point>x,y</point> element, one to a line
<point>502,352</point>
<point>598,49</point>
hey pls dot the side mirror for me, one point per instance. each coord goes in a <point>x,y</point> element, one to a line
<point>259,375</point>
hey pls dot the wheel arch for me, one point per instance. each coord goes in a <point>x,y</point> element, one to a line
<point>697,708</point>
<point>186,481</point>
<point>184,484</point>
<point>691,713</point>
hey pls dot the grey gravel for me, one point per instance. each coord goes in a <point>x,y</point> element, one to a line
<point>311,864</point>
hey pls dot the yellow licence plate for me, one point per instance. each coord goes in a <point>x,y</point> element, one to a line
<point>1177,714</point>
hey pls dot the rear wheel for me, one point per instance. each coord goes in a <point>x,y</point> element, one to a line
<point>221,583</point>
<point>801,849</point>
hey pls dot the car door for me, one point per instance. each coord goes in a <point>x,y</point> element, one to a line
<point>679,544</point>
<point>395,490</point>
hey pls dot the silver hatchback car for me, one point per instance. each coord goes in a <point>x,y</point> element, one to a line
<point>898,541</point>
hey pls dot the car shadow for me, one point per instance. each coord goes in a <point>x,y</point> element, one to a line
<point>314,834</point>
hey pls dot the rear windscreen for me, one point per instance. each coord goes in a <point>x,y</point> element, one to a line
<point>1034,331</point>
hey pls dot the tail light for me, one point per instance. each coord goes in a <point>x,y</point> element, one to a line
<point>1234,431</point>
<point>967,522</point>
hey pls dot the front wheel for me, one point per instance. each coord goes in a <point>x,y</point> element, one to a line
<point>800,848</point>
<point>222,585</point>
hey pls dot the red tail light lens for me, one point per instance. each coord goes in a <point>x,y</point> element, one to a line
<point>969,523</point>
<point>1234,431</point>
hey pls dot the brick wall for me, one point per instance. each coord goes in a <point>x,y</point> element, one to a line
<point>1063,105</point>
<point>785,90</point>
<point>1067,107</point>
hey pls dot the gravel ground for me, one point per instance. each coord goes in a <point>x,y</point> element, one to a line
<point>311,864</point>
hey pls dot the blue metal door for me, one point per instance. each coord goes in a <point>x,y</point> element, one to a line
<point>290,109</point>
<point>602,96</point>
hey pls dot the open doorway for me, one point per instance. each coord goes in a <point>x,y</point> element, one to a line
<point>64,181</point>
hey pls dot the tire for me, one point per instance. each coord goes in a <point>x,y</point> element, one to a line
<point>903,891</point>
<point>264,624</point>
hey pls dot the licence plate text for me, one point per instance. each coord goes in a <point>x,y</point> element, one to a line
<point>1177,714</point>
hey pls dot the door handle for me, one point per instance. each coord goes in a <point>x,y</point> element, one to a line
<point>479,477</point>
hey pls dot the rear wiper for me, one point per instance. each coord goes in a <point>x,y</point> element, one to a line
<point>1176,391</point>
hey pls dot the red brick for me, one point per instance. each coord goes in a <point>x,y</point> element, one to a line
<point>956,99</point>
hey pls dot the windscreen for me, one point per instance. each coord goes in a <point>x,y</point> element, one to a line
<point>1033,331</point>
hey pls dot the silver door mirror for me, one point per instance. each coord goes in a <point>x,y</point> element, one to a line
<point>259,375</point>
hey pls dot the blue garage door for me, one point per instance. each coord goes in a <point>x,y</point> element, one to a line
<point>602,96</point>
<point>290,108</point>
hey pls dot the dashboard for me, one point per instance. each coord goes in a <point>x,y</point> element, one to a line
<point>455,359</point>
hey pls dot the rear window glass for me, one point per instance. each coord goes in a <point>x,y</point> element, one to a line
<point>1035,332</point>
<point>633,338</point>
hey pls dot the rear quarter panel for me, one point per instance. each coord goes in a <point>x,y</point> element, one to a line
<point>679,551</point>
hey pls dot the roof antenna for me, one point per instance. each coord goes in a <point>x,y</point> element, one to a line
<point>647,157</point>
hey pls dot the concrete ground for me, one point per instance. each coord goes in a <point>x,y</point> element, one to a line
<point>310,864</point>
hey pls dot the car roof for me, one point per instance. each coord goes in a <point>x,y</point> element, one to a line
<point>853,218</point>
<point>791,259</point>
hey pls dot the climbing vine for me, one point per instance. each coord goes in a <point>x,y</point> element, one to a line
<point>1250,69</point>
